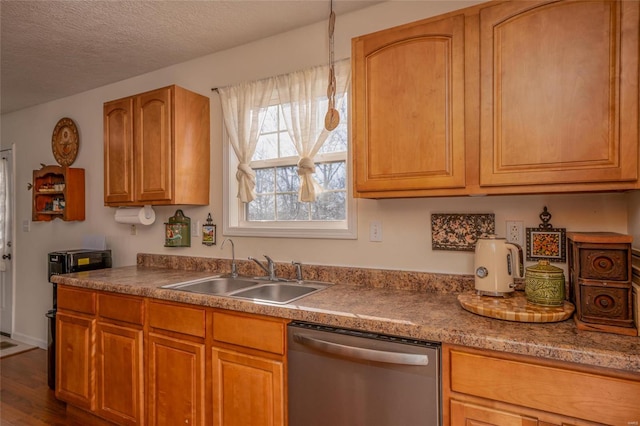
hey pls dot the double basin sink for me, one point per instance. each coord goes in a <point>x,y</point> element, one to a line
<point>255,289</point>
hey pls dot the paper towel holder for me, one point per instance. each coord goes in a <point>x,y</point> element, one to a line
<point>135,215</point>
<point>148,211</point>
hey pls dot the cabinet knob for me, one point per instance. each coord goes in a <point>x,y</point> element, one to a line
<point>6,256</point>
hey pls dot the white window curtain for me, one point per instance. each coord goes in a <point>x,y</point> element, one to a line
<point>241,107</point>
<point>303,96</point>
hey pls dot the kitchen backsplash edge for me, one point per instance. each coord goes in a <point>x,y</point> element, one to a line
<point>365,277</point>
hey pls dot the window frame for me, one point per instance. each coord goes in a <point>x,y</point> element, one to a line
<point>234,223</point>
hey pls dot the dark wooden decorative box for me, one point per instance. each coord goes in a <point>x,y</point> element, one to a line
<point>600,281</point>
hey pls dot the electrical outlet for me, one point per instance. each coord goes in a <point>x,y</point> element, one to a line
<point>375,231</point>
<point>515,232</point>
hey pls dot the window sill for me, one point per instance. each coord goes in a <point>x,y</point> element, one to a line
<point>287,232</point>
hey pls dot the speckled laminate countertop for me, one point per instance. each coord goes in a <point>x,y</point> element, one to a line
<point>435,316</point>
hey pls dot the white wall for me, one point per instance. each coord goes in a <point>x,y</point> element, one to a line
<point>406,223</point>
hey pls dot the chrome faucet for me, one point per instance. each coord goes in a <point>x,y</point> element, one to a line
<point>298,267</point>
<point>234,268</point>
<point>270,269</point>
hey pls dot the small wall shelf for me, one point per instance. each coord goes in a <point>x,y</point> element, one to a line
<point>58,192</point>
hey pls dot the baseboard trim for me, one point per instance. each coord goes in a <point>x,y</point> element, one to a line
<point>29,340</point>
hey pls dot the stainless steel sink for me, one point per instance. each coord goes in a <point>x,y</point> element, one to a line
<point>279,292</point>
<point>256,289</point>
<point>215,285</point>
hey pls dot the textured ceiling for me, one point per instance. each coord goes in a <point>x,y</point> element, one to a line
<point>52,49</point>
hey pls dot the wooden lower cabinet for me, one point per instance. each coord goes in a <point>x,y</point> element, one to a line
<point>119,373</point>
<point>75,359</point>
<point>483,387</point>
<point>249,390</point>
<point>99,354</point>
<point>176,368</point>
<point>465,413</point>
<point>176,381</point>
<point>135,361</point>
<point>249,370</point>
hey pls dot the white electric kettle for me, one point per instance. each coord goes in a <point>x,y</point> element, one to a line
<point>496,264</point>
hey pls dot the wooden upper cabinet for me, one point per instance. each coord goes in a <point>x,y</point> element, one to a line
<point>408,108</point>
<point>508,97</point>
<point>152,128</point>
<point>156,148</point>
<point>118,151</point>
<point>559,94</point>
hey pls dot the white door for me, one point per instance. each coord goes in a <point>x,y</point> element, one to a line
<point>6,237</point>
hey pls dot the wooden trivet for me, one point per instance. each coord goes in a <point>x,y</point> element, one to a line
<point>514,307</point>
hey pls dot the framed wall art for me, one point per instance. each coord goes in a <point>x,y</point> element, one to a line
<point>209,232</point>
<point>546,242</point>
<point>459,231</point>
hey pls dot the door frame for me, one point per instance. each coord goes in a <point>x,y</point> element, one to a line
<point>9,274</point>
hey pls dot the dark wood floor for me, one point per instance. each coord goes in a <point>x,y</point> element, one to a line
<point>25,398</point>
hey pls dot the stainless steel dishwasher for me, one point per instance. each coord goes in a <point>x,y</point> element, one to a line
<point>343,377</point>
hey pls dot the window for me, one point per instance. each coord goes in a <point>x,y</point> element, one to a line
<point>277,182</point>
<point>275,210</point>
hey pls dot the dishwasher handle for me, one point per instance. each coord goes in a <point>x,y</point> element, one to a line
<point>354,352</point>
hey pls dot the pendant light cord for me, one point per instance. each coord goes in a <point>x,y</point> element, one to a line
<point>332,117</point>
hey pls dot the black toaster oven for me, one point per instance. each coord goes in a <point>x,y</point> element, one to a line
<point>67,261</point>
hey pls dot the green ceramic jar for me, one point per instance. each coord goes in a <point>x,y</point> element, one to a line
<point>544,284</point>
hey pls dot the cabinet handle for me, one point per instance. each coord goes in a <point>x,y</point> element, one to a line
<point>362,353</point>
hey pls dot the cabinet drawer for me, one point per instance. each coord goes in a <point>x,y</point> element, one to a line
<point>584,395</point>
<point>178,318</point>
<point>603,264</point>
<point>78,300</point>
<point>121,308</point>
<point>606,304</point>
<point>251,332</point>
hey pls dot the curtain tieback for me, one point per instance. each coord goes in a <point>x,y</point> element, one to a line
<point>245,170</point>
<point>306,166</point>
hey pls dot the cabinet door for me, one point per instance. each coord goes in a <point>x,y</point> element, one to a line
<point>176,380</point>
<point>465,414</point>
<point>559,92</point>
<point>408,124</point>
<point>75,360</point>
<point>118,151</point>
<point>120,374</point>
<point>154,145</point>
<point>249,390</point>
